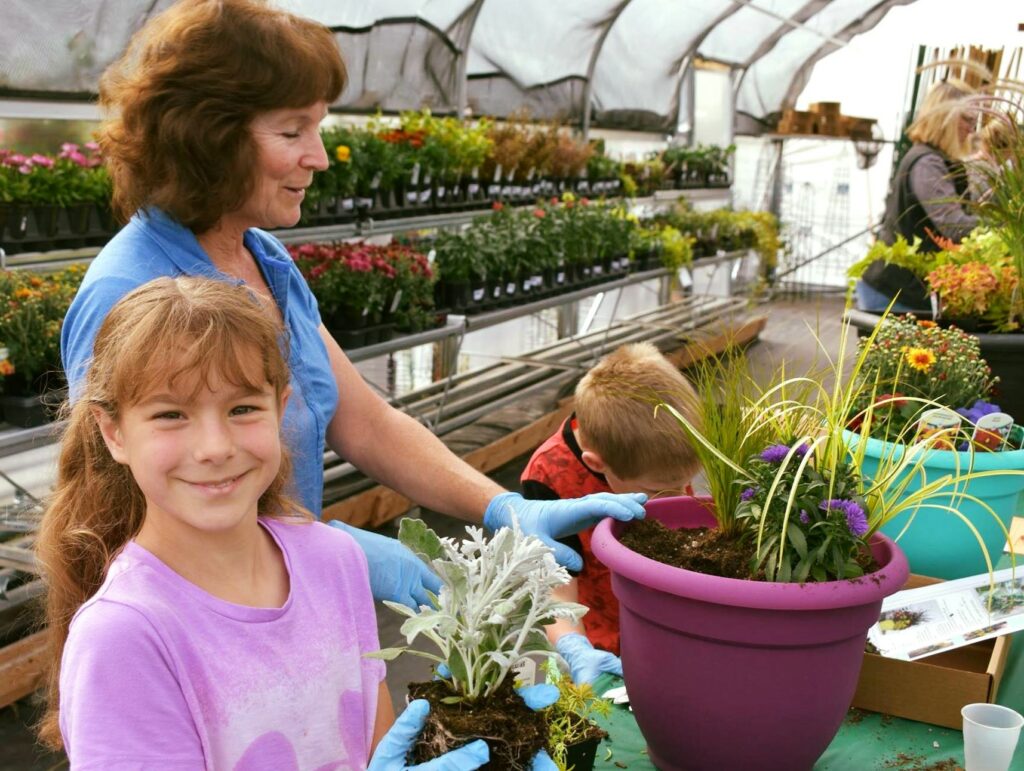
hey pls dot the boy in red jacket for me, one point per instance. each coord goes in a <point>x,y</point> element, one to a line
<point>613,442</point>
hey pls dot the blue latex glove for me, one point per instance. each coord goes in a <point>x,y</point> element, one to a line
<point>395,745</point>
<point>550,520</point>
<point>586,662</point>
<point>396,573</point>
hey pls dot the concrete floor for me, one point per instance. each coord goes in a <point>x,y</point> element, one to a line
<point>789,337</point>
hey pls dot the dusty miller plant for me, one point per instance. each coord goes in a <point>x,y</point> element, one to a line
<point>494,602</point>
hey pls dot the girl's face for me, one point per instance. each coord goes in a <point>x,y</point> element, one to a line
<point>289,151</point>
<point>202,461</point>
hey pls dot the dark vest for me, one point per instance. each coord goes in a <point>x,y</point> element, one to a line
<point>905,216</point>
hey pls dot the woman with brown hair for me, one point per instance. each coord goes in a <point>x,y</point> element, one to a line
<point>212,136</point>
<point>927,198</point>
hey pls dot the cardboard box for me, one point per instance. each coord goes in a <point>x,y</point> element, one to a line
<point>932,690</point>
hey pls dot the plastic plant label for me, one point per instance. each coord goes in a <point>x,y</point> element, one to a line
<point>347,204</point>
<point>493,189</point>
<point>441,192</point>
<point>375,182</point>
<point>475,173</point>
<point>396,300</point>
<point>598,270</point>
<point>473,188</point>
<point>510,288</point>
<point>431,256</point>
<point>537,280</point>
<point>560,277</point>
<point>497,173</point>
<point>527,283</point>
<point>478,294</point>
<point>425,195</point>
<point>412,196</point>
<point>530,173</point>
<point>364,203</point>
<point>497,291</point>
<point>414,176</point>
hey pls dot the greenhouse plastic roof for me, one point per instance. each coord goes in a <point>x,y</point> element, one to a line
<point>627,59</point>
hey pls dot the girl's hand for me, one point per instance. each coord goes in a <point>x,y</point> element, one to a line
<point>398,741</point>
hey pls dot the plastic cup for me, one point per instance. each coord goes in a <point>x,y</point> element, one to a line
<point>990,736</point>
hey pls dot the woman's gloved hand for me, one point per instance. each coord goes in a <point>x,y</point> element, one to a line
<point>586,663</point>
<point>396,573</point>
<point>550,520</point>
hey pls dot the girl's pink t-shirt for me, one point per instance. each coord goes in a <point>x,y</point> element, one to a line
<point>159,674</point>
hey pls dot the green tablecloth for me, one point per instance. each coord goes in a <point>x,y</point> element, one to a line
<point>866,741</point>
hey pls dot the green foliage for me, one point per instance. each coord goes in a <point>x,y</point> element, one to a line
<point>571,716</point>
<point>900,253</point>
<point>494,603</point>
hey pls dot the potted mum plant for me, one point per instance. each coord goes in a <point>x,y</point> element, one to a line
<point>33,310</point>
<point>910,366</point>
<point>769,644</point>
<point>492,608</point>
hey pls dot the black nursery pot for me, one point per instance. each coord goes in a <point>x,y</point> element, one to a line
<point>581,757</point>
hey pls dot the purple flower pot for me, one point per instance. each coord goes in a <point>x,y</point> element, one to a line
<point>729,674</point>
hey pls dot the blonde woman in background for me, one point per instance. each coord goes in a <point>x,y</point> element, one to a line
<point>927,197</point>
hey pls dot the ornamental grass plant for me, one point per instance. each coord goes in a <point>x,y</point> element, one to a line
<point>783,467</point>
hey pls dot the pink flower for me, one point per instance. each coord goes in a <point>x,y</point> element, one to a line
<point>42,160</point>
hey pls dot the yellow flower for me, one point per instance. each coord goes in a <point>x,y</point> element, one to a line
<point>920,359</point>
<point>23,293</point>
<point>568,197</point>
<point>343,153</point>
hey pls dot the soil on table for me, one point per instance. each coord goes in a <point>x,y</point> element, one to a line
<point>514,732</point>
<point>702,550</point>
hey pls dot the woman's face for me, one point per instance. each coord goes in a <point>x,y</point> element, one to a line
<point>289,151</point>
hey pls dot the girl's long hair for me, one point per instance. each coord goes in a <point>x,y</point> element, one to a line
<point>186,329</point>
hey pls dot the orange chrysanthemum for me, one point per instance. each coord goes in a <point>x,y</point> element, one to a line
<point>920,359</point>
<point>926,324</point>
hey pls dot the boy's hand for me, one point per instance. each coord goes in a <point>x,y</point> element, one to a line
<point>396,573</point>
<point>586,663</point>
<point>550,520</point>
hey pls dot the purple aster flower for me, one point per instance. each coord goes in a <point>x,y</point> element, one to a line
<point>856,519</point>
<point>801,450</point>
<point>776,453</point>
<point>805,517</point>
<point>748,493</point>
<point>978,410</point>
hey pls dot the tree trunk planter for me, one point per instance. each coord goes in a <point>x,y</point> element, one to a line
<point>938,543</point>
<point>728,674</point>
<point>1003,352</point>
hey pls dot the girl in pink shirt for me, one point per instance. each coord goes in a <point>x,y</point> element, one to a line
<point>198,617</point>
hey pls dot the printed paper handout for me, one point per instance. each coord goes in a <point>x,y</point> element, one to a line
<point>916,623</point>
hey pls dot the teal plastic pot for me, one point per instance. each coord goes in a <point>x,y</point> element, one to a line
<point>938,543</point>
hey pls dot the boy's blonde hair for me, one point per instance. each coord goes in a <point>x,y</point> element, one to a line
<point>938,121</point>
<point>617,418</point>
<point>168,330</point>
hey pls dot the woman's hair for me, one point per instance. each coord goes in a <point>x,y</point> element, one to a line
<point>185,331</point>
<point>615,410</point>
<point>181,98</point>
<point>938,121</point>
